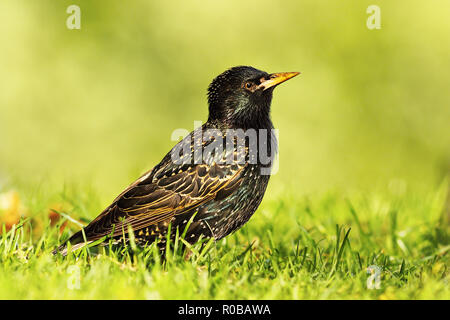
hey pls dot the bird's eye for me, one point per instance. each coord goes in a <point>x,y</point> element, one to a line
<point>248,85</point>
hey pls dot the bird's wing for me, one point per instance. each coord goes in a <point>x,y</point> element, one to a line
<point>160,194</point>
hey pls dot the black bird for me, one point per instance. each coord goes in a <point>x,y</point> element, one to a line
<point>220,188</point>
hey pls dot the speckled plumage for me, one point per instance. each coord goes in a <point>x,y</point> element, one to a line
<point>223,196</point>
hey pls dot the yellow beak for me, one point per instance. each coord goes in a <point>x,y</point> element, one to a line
<point>277,78</point>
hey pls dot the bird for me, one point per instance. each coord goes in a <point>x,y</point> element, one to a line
<point>211,182</point>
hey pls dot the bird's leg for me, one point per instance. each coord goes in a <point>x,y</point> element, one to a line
<point>188,254</point>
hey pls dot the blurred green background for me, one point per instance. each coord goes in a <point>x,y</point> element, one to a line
<point>98,105</point>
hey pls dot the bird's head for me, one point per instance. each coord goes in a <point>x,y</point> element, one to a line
<point>241,96</point>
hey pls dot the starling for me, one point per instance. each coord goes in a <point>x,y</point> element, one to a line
<point>212,181</point>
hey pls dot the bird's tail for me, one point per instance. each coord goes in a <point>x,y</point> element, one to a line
<point>77,241</point>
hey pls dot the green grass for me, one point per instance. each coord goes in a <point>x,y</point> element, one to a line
<point>309,247</point>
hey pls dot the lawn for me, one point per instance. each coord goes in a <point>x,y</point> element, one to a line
<point>391,244</point>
